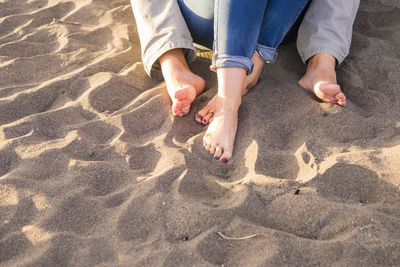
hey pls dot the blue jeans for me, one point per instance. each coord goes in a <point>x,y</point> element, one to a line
<point>236,29</point>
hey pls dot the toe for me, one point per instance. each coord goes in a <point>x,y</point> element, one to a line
<point>226,156</point>
<point>207,118</point>
<point>208,147</point>
<point>176,112</point>
<point>179,113</point>
<point>213,148</point>
<point>176,109</point>
<point>204,111</point>
<point>210,107</point>
<point>198,118</point>
<point>341,99</point>
<point>180,107</point>
<point>185,110</point>
<point>218,152</point>
<point>205,141</point>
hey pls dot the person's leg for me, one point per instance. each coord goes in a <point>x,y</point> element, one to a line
<point>279,17</point>
<point>164,36</point>
<point>241,28</point>
<point>206,114</point>
<point>273,29</point>
<point>199,18</point>
<point>324,37</point>
<point>220,136</point>
<point>236,27</point>
<point>182,85</point>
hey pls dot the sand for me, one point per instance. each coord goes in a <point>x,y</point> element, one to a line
<point>94,170</point>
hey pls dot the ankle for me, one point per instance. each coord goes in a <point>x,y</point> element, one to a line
<point>322,60</point>
<point>173,61</point>
<point>228,104</point>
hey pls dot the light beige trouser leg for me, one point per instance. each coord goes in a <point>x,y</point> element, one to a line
<point>327,28</point>
<point>161,27</point>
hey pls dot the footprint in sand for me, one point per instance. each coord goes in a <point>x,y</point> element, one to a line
<point>143,123</point>
<point>78,214</point>
<point>49,125</point>
<point>41,42</point>
<point>117,199</point>
<point>349,183</point>
<point>142,219</point>
<point>281,166</point>
<point>8,160</point>
<point>182,224</point>
<point>12,246</point>
<point>101,178</point>
<point>112,95</point>
<point>48,165</point>
<point>143,158</point>
<point>98,132</point>
<point>26,104</point>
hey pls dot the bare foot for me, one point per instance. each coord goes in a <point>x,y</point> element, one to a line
<point>320,79</point>
<point>182,85</point>
<point>206,114</point>
<point>219,138</point>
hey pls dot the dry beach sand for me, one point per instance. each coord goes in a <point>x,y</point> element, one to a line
<point>94,170</point>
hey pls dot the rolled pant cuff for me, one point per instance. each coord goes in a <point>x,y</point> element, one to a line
<point>226,61</point>
<point>269,54</point>
<point>151,56</point>
<point>310,52</point>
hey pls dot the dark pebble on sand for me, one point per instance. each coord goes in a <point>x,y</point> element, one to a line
<point>322,223</point>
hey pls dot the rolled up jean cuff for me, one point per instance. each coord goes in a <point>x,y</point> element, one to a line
<point>269,54</point>
<point>227,61</point>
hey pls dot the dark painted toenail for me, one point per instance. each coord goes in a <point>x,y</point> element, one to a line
<point>198,117</point>
<point>217,158</point>
<point>224,160</point>
<point>204,121</point>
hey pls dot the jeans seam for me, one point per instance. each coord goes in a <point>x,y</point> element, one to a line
<point>216,6</point>
<point>215,47</point>
<point>299,13</point>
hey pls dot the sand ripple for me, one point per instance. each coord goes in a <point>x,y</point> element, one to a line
<point>94,170</point>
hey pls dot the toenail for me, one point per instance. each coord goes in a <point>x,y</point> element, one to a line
<point>204,121</point>
<point>224,160</point>
<point>217,158</point>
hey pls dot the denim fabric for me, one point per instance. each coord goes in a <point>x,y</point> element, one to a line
<point>279,17</point>
<point>239,28</point>
<point>199,17</point>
